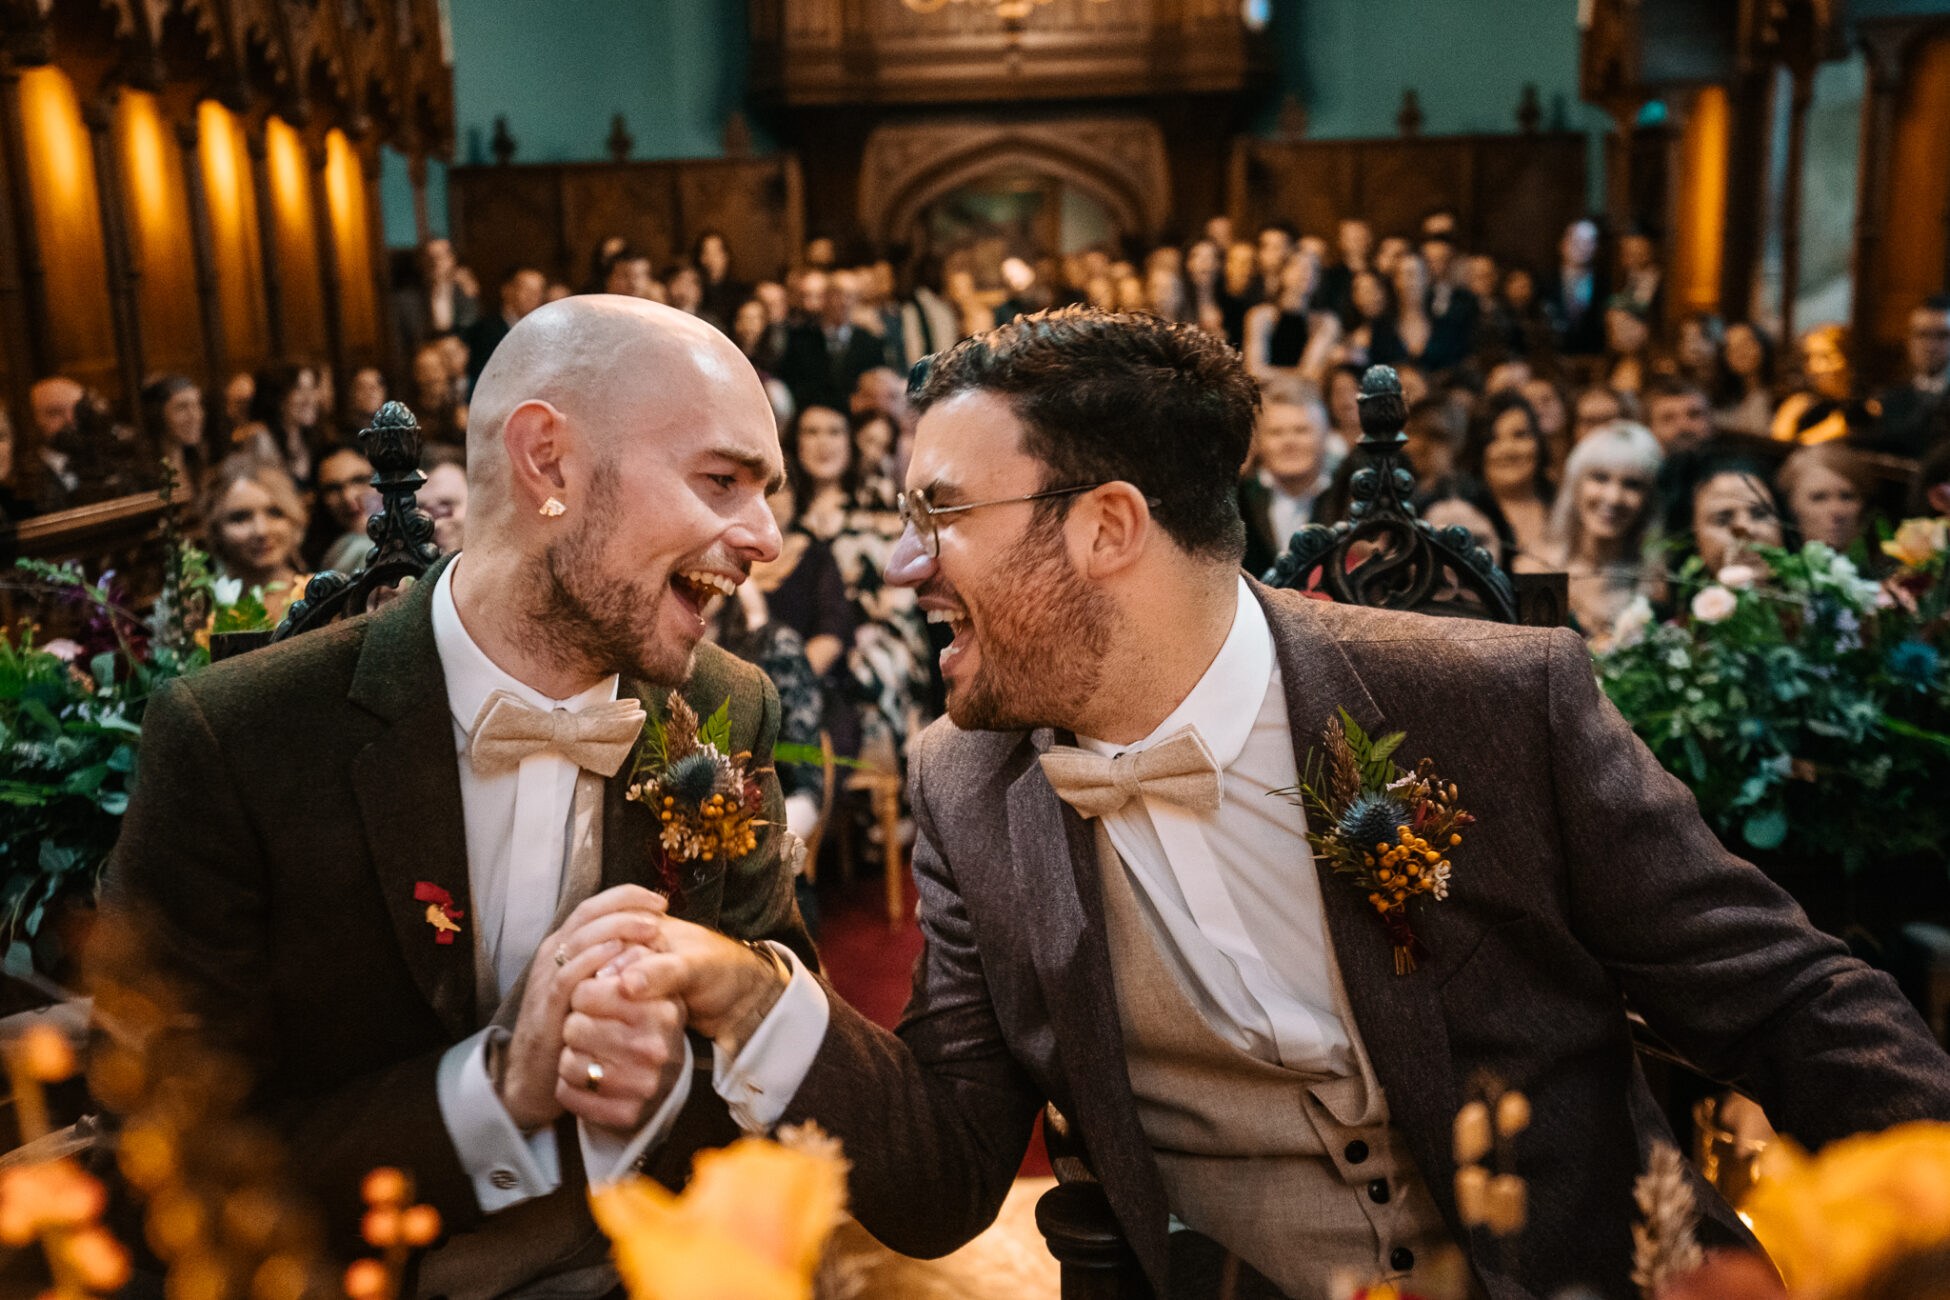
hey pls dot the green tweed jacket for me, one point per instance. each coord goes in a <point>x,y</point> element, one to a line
<point>287,803</point>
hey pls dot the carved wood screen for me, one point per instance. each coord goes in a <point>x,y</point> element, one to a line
<point>551,216</point>
<point>1513,194</point>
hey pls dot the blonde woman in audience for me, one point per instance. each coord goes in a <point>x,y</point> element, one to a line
<point>1602,528</point>
<point>254,521</point>
<point>1825,488</point>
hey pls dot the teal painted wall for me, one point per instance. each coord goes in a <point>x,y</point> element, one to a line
<point>675,70</point>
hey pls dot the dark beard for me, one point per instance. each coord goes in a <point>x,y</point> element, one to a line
<point>603,623</point>
<point>1048,630</point>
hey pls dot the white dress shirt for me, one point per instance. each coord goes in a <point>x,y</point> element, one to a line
<point>1287,513</point>
<point>1232,895</point>
<point>517,834</point>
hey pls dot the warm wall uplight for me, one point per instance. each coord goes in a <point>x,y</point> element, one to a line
<point>159,231</point>
<point>67,219</point>
<point>233,230</point>
<point>297,245</point>
<point>1703,196</point>
<point>345,197</point>
<point>142,141</point>
<point>290,196</point>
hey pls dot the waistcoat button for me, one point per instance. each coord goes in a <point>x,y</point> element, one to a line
<point>1378,1191</point>
<point>1401,1259</point>
<point>1356,1152</point>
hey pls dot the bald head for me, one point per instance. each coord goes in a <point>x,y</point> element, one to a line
<point>53,401</point>
<point>619,370</point>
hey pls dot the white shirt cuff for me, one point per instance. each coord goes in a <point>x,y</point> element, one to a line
<point>761,1081</point>
<point>505,1166</point>
<point>608,1155</point>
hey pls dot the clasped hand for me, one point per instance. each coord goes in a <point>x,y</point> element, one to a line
<point>614,987</point>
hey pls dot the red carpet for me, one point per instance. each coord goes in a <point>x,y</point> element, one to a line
<point>872,965</point>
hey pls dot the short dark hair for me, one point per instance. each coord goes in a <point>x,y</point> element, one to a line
<point>1115,396</point>
<point>1665,386</point>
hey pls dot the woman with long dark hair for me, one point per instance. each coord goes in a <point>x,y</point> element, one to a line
<point>1506,451</point>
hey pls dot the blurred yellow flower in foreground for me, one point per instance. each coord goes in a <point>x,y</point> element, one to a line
<point>750,1226</point>
<point>1831,1222</point>
<point>1917,542</point>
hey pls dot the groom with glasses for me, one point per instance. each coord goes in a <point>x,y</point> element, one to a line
<point>1122,914</point>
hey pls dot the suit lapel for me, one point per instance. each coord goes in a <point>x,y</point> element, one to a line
<point>1055,860</point>
<point>407,783</point>
<point>1398,1016</point>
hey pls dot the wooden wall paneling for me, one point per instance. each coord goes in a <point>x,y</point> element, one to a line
<point>386,343</point>
<point>636,201</point>
<point>208,292</point>
<point>162,243</point>
<point>1527,190</point>
<point>1402,180</point>
<point>62,196</point>
<point>1311,185</point>
<point>750,203</point>
<point>270,262</point>
<point>1914,246</point>
<point>506,217</point>
<point>18,319</point>
<point>111,202</point>
<point>325,257</point>
<point>350,214</point>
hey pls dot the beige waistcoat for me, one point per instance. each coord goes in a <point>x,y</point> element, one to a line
<point>1262,1158</point>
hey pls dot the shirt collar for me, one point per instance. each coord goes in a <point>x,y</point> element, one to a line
<point>1225,703</point>
<point>472,676</point>
<point>1272,485</point>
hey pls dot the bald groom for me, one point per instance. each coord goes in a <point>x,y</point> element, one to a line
<point>293,805</point>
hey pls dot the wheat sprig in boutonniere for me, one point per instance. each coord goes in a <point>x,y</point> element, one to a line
<point>1387,829</point>
<point>706,800</point>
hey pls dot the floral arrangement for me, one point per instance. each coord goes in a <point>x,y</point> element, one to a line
<point>1387,830</point>
<point>751,1225</point>
<point>705,799</point>
<point>1804,671</point>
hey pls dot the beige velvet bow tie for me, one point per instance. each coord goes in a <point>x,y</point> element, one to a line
<point>597,738</point>
<point>1178,769</point>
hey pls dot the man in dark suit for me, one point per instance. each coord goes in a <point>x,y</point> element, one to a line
<point>1574,294</point>
<point>1912,409</point>
<point>392,863</point>
<point>825,356</point>
<point>1290,452</point>
<point>1123,917</point>
<point>521,292</point>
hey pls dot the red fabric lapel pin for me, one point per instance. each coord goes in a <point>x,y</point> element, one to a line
<point>442,915</point>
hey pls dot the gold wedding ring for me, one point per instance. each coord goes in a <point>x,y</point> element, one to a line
<point>594,1081</point>
<point>562,954</point>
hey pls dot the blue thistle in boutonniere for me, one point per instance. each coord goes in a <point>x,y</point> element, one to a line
<point>1389,831</point>
<point>706,801</point>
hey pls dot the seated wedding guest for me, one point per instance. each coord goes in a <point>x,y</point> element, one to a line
<point>1506,452</point>
<point>1909,408</point>
<point>601,254</point>
<point>744,626</point>
<point>283,427</point>
<point>1373,325</point>
<point>723,291</point>
<point>826,356</point>
<point>818,446</point>
<point>1432,443</point>
<point>363,400</point>
<point>173,417</point>
<point>1274,244</point>
<point>1824,407</point>
<point>521,291</point>
<point>1497,332</point>
<point>345,490</point>
<point>1677,413</point>
<point>1242,289</point>
<point>444,495</point>
<point>1290,453</point>
<point>752,331</point>
<point>629,274</point>
<point>1574,295</point>
<point>1603,527</point>
<point>803,587</point>
<point>1929,491</point>
<point>1354,250</point>
<point>445,299</point>
<point>441,416</point>
<point>1696,353</point>
<point>1826,490</point>
<point>1452,308</point>
<point>254,521</point>
<point>1743,394</point>
<point>874,435</point>
<point>684,290</point>
<point>1343,411</point>
<point>298,940</point>
<point>1406,335</point>
<point>1628,348</point>
<point>1263,1074</point>
<point>1734,511</point>
<point>1553,412</point>
<point>1461,501</point>
<point>1292,334</point>
<point>1596,407</point>
<point>1527,314</point>
<point>237,395</point>
<point>1388,256</point>
<point>1642,280</point>
<point>1511,375</point>
<point>1205,285</point>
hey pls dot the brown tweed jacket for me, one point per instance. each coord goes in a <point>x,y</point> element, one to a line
<point>286,805</point>
<point>1588,884</point>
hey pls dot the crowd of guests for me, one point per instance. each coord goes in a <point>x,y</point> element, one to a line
<point>1550,414</point>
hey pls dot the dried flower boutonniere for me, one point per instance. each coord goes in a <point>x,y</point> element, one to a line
<point>705,799</point>
<point>1386,829</point>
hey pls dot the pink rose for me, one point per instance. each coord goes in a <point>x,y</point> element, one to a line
<point>1714,604</point>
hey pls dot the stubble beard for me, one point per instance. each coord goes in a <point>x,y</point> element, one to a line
<point>605,622</point>
<point>1047,633</point>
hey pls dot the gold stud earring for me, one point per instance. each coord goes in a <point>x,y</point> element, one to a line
<point>553,509</point>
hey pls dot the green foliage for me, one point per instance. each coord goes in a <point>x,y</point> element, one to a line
<point>1807,713</point>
